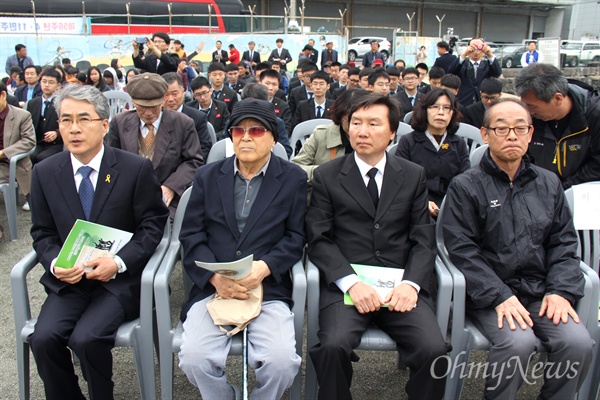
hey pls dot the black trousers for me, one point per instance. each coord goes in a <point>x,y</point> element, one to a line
<point>416,333</point>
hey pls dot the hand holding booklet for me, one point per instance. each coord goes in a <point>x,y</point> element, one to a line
<point>238,269</point>
<point>88,241</point>
<point>382,279</point>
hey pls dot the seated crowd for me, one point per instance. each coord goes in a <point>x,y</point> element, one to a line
<point>365,206</point>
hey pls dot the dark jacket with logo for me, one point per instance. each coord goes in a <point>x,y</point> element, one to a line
<point>575,157</point>
<point>511,238</point>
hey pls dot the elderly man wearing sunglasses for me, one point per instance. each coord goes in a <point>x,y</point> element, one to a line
<point>252,203</point>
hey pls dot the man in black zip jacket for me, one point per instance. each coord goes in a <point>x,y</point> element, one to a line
<point>508,229</point>
<point>566,117</point>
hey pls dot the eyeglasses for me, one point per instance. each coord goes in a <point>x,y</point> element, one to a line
<point>489,98</point>
<point>438,107</point>
<point>502,131</point>
<point>355,80</point>
<point>253,131</point>
<point>202,94</point>
<point>382,84</point>
<point>410,78</point>
<point>82,121</point>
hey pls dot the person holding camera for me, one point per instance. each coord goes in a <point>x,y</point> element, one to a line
<point>475,70</point>
<point>157,60</point>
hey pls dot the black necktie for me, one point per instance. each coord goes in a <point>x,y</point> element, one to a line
<point>475,67</point>
<point>217,94</point>
<point>411,99</point>
<point>86,191</point>
<point>319,113</point>
<point>310,95</point>
<point>372,186</point>
<point>46,104</point>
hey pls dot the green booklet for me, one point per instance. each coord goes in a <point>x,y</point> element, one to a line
<point>88,241</point>
<point>382,279</point>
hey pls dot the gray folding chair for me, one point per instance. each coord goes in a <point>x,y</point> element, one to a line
<point>9,190</point>
<point>477,155</point>
<point>218,151</point>
<point>465,335</point>
<point>589,251</point>
<point>137,333</point>
<point>118,101</point>
<point>403,129</point>
<point>303,130</point>
<point>211,132</point>
<point>392,148</point>
<point>373,339</point>
<point>471,135</point>
<point>407,117</point>
<point>169,336</point>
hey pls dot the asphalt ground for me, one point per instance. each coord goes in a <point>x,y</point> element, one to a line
<point>375,375</point>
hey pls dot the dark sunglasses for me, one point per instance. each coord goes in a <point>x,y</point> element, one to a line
<point>253,131</point>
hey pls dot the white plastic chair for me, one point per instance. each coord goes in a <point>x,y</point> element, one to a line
<point>403,129</point>
<point>211,132</point>
<point>373,339</point>
<point>589,251</point>
<point>219,151</point>
<point>169,336</point>
<point>477,155</point>
<point>465,335</point>
<point>303,130</point>
<point>118,101</point>
<point>471,135</point>
<point>9,189</point>
<point>407,117</point>
<point>137,333</point>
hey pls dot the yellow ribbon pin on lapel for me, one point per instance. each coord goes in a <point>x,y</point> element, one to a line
<point>107,178</point>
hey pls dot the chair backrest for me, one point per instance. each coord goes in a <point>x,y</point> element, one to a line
<point>303,130</point>
<point>403,129</point>
<point>583,200</point>
<point>118,101</point>
<point>471,135</point>
<point>219,151</point>
<point>392,148</point>
<point>407,117</point>
<point>211,132</point>
<point>477,155</point>
<point>83,65</point>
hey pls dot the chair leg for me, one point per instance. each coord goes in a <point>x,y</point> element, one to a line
<point>23,369</point>
<point>166,370</point>
<point>144,363</point>
<point>455,380</point>
<point>10,202</point>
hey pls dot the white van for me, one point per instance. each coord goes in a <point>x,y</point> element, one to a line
<point>575,52</point>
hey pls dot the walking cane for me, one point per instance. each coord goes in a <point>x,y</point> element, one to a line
<point>245,366</point>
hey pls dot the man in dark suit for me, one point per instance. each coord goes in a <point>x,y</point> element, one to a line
<point>490,92</point>
<point>216,111</point>
<point>280,55</point>
<point>318,106</point>
<point>251,57</point>
<point>233,78</point>
<point>314,55</point>
<point>473,69</point>
<point>45,118</point>
<point>221,92</point>
<point>219,55</point>
<point>371,208</point>
<point>353,82</point>
<point>250,204</point>
<point>410,96</point>
<point>84,309</point>
<point>166,137</point>
<point>445,59</point>
<point>174,101</point>
<point>328,55</point>
<point>371,56</point>
<point>157,59</point>
<point>269,79</point>
<point>32,89</point>
<point>303,92</point>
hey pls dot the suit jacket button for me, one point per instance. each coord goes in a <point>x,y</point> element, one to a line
<point>376,226</point>
<point>238,253</point>
<point>377,253</point>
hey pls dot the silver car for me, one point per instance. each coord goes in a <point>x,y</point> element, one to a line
<point>359,46</point>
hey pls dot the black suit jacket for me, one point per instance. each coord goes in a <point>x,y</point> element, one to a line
<point>168,63</point>
<point>469,87</point>
<point>255,57</point>
<point>344,227</point>
<point>338,91</point>
<point>274,231</point>
<point>227,96</point>
<point>200,121</point>
<point>294,83</point>
<point>218,116</point>
<point>444,62</point>
<point>224,56</point>
<point>285,55</point>
<point>295,97</point>
<point>473,114</point>
<point>12,100</point>
<point>282,109</point>
<point>130,200</point>
<point>41,124</point>
<point>334,57</point>
<point>306,111</point>
<point>21,92</point>
<point>405,106</point>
